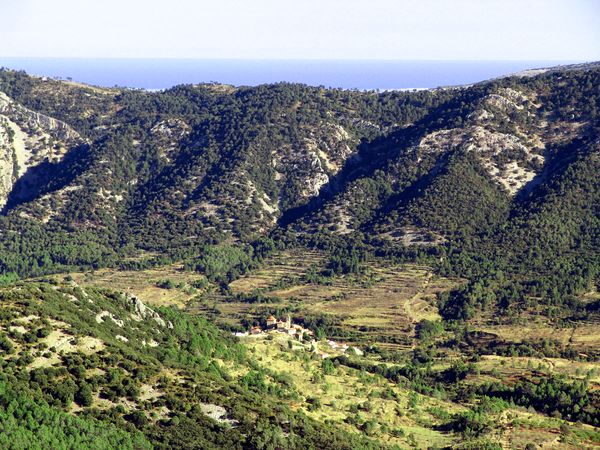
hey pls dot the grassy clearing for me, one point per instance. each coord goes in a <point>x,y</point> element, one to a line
<point>584,337</point>
<point>146,284</point>
<point>366,403</point>
<point>523,427</point>
<point>353,400</point>
<point>511,366</point>
<point>383,304</point>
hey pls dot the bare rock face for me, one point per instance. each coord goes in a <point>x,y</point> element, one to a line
<point>298,169</point>
<point>143,312</point>
<point>508,159</point>
<point>167,134</point>
<point>27,139</point>
<point>9,164</point>
<point>512,157</point>
<point>320,155</point>
<point>512,160</point>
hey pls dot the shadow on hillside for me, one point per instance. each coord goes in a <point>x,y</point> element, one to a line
<point>371,155</point>
<point>557,162</point>
<point>47,177</point>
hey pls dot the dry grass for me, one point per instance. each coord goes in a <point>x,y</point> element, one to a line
<point>348,387</point>
<point>289,264</point>
<point>144,284</point>
<point>512,366</point>
<point>584,336</point>
<point>383,304</point>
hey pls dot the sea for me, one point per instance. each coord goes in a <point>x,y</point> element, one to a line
<point>159,74</point>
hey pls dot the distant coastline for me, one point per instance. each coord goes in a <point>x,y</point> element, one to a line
<point>159,74</point>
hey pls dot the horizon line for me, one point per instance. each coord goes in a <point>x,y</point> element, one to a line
<point>297,59</point>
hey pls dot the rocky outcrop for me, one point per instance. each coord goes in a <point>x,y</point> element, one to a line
<point>506,157</point>
<point>143,312</point>
<point>107,315</point>
<point>511,159</point>
<point>27,139</point>
<point>320,155</point>
<point>167,135</point>
<point>293,172</point>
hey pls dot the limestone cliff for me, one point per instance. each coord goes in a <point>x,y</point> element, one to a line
<point>27,139</point>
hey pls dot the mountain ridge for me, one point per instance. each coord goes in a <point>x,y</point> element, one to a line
<point>200,164</point>
<point>449,237</point>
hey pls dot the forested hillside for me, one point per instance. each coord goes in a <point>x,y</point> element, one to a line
<point>450,237</point>
<point>496,177</point>
<point>138,379</point>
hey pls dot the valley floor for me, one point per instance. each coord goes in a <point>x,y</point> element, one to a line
<point>414,401</point>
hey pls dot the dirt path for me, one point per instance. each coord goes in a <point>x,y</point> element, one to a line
<point>507,430</point>
<point>413,315</point>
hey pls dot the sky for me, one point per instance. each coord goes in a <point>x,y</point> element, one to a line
<point>303,29</point>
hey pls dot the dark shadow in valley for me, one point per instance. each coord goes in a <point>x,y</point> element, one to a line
<point>414,188</point>
<point>47,177</point>
<point>558,160</point>
<point>373,155</point>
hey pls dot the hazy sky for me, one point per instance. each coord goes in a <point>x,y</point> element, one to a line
<point>345,29</point>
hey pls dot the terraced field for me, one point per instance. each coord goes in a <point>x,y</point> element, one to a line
<point>501,368</point>
<point>383,304</point>
<point>146,284</point>
<point>585,337</point>
<point>281,268</point>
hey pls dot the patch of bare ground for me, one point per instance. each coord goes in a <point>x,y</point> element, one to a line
<point>146,284</point>
<point>382,305</point>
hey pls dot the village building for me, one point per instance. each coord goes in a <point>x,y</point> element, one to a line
<point>281,325</point>
<point>304,335</point>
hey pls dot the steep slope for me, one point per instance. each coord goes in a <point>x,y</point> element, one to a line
<point>174,170</point>
<point>137,378</point>
<point>202,161</point>
<point>558,225</point>
<point>504,133</point>
<point>30,143</point>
